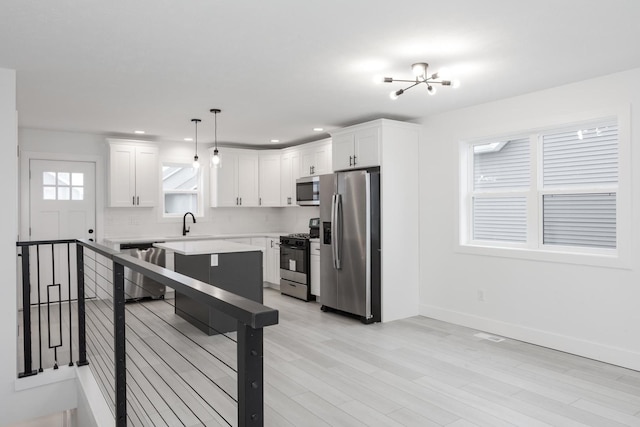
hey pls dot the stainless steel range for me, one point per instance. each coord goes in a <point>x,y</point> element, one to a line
<point>294,266</point>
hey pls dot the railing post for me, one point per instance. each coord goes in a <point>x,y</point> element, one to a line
<point>26,314</point>
<point>82,331</point>
<point>250,376</point>
<point>119,344</point>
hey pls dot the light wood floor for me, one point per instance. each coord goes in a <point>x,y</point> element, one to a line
<point>323,369</point>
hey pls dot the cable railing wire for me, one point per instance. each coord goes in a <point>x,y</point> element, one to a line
<point>141,303</point>
<point>151,340</point>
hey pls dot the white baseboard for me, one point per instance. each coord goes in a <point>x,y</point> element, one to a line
<point>592,350</point>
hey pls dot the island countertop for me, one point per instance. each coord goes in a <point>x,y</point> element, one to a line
<point>201,247</point>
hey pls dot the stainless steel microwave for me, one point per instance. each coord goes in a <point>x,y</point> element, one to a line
<point>308,191</point>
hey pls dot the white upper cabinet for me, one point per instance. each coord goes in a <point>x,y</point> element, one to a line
<point>269,173</point>
<point>246,178</point>
<point>133,174</point>
<point>357,147</point>
<point>316,158</point>
<point>289,173</point>
<point>235,182</point>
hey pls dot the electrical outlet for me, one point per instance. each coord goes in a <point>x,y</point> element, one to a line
<point>481,295</point>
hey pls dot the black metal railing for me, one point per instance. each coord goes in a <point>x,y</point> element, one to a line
<point>117,335</point>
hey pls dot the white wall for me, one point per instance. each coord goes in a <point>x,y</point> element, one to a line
<point>16,399</point>
<point>578,308</point>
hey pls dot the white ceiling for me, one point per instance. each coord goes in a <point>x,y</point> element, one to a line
<point>279,68</point>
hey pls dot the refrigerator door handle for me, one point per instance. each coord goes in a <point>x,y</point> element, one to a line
<point>338,227</point>
<point>335,251</point>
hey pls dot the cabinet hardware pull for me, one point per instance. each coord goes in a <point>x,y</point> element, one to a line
<point>237,203</point>
<point>260,201</point>
<point>133,200</point>
<point>354,160</point>
<point>138,199</point>
<point>350,157</point>
<point>240,201</point>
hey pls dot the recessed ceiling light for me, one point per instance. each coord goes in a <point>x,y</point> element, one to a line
<point>188,139</point>
<point>275,140</point>
<point>318,129</point>
<point>139,132</point>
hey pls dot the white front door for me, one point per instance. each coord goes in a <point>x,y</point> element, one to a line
<point>61,206</point>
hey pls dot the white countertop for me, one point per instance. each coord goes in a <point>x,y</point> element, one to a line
<point>200,247</point>
<point>188,237</point>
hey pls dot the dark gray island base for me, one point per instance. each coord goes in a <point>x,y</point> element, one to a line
<point>237,272</point>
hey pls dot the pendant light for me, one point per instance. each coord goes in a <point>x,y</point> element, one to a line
<point>196,163</point>
<point>215,160</point>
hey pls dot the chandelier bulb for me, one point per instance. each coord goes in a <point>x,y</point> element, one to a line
<point>396,93</point>
<point>196,163</point>
<point>431,90</point>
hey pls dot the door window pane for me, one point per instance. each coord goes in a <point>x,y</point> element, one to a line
<point>63,178</point>
<point>64,193</point>
<point>49,193</point>
<point>49,178</point>
<point>77,179</point>
<point>77,193</point>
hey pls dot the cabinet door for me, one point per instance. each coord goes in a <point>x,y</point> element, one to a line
<point>122,175</point>
<point>269,172</point>
<point>342,152</point>
<point>224,181</point>
<point>147,176</point>
<point>315,269</point>
<point>286,193</point>
<point>290,172</point>
<point>262,242</point>
<point>273,261</point>
<point>367,148</point>
<point>322,159</point>
<point>248,188</point>
<point>308,160</point>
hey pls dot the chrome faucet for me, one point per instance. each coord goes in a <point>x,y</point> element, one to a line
<point>185,230</point>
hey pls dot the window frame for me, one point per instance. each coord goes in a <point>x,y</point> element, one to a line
<point>199,192</point>
<point>534,248</point>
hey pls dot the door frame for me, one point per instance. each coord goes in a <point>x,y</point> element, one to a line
<point>24,212</point>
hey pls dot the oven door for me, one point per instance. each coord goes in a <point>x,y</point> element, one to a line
<point>293,263</point>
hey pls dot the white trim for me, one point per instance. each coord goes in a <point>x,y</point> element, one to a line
<point>100,183</point>
<point>534,250</point>
<point>584,348</point>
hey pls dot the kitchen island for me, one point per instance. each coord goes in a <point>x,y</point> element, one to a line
<point>231,266</point>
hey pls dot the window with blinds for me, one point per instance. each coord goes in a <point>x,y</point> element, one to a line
<point>579,162</point>
<point>571,201</point>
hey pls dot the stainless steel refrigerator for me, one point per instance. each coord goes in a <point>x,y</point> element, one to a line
<point>350,243</point>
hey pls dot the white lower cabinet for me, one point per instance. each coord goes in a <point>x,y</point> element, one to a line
<point>315,268</point>
<point>273,260</point>
<point>262,242</point>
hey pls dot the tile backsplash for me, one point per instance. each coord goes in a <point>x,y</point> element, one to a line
<point>121,222</point>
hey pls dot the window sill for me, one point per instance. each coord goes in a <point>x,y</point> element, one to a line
<point>604,258</point>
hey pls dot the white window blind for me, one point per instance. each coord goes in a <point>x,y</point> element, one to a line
<point>581,157</point>
<point>501,165</point>
<point>500,219</point>
<point>587,220</point>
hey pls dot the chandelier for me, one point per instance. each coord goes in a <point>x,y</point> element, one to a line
<point>421,74</point>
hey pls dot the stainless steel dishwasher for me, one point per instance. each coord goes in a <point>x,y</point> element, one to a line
<point>136,285</point>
